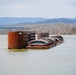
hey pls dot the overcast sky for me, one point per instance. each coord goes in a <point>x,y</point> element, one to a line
<point>38,8</point>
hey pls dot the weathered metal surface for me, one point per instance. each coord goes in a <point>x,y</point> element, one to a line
<point>16,40</point>
<point>40,35</point>
<point>37,47</point>
<point>40,44</point>
<point>23,39</point>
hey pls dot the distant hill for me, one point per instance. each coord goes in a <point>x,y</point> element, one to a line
<point>15,20</point>
<point>59,20</point>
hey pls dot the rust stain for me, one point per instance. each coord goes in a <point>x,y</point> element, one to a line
<point>16,40</point>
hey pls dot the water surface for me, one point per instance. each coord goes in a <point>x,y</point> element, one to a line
<point>59,60</point>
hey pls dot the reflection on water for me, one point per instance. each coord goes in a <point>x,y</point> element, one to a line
<point>18,50</point>
<point>59,60</point>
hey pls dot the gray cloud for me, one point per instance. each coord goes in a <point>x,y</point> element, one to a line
<point>9,2</point>
<point>38,8</point>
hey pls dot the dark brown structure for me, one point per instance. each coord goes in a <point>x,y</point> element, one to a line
<point>17,40</point>
<point>45,34</point>
<point>40,35</point>
<point>31,36</point>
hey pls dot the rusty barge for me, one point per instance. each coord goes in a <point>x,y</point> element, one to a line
<point>30,40</point>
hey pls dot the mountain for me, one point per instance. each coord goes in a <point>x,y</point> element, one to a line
<point>16,20</point>
<point>59,20</point>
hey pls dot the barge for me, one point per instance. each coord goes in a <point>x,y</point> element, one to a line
<point>58,39</point>
<point>40,44</point>
<point>28,40</point>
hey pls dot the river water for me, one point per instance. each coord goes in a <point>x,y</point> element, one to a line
<point>59,60</point>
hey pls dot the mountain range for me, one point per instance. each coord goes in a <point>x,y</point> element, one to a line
<point>16,20</point>
<point>25,20</point>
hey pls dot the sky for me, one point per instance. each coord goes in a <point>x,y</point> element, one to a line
<point>38,8</point>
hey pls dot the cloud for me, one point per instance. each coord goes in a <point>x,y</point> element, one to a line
<point>38,8</point>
